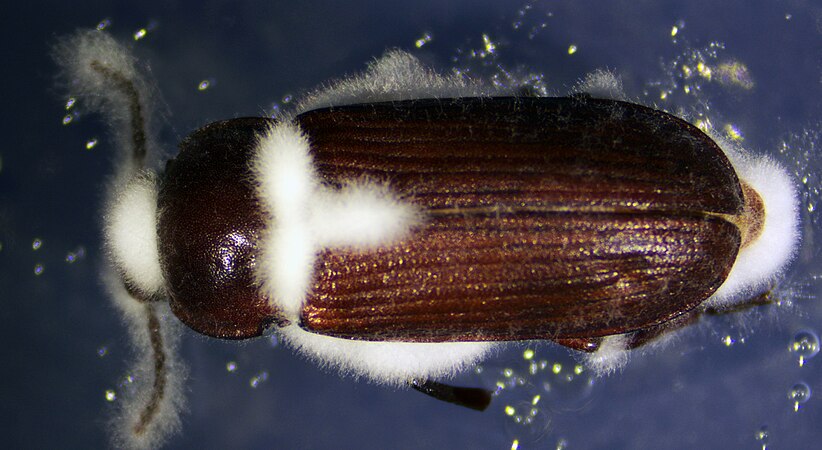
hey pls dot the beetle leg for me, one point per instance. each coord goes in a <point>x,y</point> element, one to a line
<point>473,398</point>
<point>641,337</point>
<point>636,338</point>
<point>765,298</point>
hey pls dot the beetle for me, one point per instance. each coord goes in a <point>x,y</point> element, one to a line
<point>399,223</point>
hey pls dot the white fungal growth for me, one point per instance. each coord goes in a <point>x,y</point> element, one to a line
<point>286,185</point>
<point>362,214</point>
<point>131,233</point>
<point>602,84</point>
<point>306,216</point>
<point>397,75</point>
<point>611,356</point>
<point>150,406</point>
<point>392,363</point>
<point>759,264</point>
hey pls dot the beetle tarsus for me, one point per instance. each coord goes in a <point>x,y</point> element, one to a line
<point>765,298</point>
<point>473,398</point>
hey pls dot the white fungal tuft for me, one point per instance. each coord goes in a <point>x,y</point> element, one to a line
<point>286,184</point>
<point>361,214</point>
<point>392,363</point>
<point>131,233</point>
<point>138,424</point>
<point>76,52</point>
<point>397,75</point>
<point>602,84</point>
<point>611,356</point>
<point>759,264</point>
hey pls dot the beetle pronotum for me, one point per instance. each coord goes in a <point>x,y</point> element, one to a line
<point>400,222</point>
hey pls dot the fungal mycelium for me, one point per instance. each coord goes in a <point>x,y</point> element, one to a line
<point>399,223</point>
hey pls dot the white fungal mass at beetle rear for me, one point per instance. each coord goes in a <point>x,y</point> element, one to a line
<point>400,223</point>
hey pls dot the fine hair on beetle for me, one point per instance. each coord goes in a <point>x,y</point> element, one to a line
<point>399,224</point>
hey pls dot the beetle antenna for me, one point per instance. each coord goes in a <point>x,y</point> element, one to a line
<point>766,298</point>
<point>158,357</point>
<point>135,109</point>
<point>149,412</point>
<point>473,398</point>
<point>105,74</point>
<point>127,88</point>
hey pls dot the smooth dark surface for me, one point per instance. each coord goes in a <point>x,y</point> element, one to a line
<point>209,227</point>
<point>473,398</point>
<point>544,218</point>
<point>558,153</point>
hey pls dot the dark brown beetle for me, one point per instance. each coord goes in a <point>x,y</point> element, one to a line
<point>546,218</point>
<point>401,222</point>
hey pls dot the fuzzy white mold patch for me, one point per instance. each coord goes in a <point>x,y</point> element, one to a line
<point>392,363</point>
<point>611,356</point>
<point>78,54</point>
<point>362,214</point>
<point>602,84</point>
<point>286,184</point>
<point>305,216</point>
<point>131,233</point>
<point>761,262</point>
<point>397,75</point>
<point>134,398</point>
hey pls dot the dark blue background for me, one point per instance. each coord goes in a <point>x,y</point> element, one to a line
<point>698,393</point>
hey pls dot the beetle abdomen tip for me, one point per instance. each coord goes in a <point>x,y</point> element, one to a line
<point>765,257</point>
